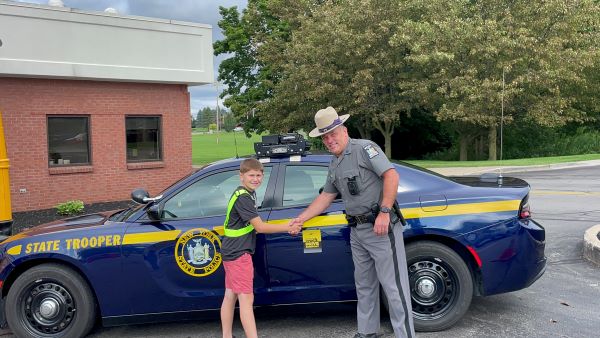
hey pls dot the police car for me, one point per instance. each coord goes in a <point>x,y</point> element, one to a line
<point>161,260</point>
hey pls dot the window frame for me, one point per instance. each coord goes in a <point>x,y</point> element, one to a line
<point>89,139</point>
<point>159,141</point>
<point>265,205</point>
<point>278,195</point>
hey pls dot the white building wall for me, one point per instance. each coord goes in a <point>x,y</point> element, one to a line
<point>54,42</point>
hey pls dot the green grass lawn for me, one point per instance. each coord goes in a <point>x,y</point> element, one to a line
<point>207,148</point>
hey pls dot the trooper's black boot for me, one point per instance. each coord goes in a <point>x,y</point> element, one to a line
<point>368,335</point>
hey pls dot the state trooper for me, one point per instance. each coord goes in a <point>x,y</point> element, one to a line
<point>368,184</point>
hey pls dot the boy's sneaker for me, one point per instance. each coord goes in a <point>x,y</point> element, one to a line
<point>368,335</point>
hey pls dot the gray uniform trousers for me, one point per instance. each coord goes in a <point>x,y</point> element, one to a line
<point>381,259</point>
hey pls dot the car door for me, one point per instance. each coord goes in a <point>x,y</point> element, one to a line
<point>316,265</point>
<point>175,265</point>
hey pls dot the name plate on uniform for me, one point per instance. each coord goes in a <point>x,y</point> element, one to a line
<point>312,241</point>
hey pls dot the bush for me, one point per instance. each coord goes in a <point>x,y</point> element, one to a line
<point>528,140</point>
<point>534,141</point>
<point>69,208</point>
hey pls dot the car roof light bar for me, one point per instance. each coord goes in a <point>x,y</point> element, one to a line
<point>281,145</point>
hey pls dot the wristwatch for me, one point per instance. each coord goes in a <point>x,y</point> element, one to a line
<point>385,210</point>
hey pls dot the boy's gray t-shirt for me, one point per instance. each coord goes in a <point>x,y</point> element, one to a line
<point>244,209</point>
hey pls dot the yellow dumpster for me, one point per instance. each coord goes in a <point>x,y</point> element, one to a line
<point>5,208</point>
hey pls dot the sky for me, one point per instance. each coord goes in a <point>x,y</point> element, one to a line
<point>199,11</point>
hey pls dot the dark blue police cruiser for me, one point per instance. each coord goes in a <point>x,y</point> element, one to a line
<point>161,260</point>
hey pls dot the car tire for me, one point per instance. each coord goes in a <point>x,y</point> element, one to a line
<point>50,300</point>
<point>441,285</point>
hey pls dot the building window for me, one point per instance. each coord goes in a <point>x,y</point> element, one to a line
<point>143,138</point>
<point>68,140</point>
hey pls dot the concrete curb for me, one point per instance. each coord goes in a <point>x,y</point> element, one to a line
<point>476,171</point>
<point>554,166</point>
<point>591,245</point>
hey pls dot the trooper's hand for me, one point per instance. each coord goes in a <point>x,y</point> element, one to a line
<point>295,226</point>
<point>295,229</point>
<point>296,222</point>
<point>382,224</point>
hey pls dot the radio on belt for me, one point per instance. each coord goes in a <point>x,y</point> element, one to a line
<point>281,145</point>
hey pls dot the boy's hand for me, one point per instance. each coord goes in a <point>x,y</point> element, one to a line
<point>295,226</point>
<point>294,230</point>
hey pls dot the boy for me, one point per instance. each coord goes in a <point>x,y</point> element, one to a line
<point>239,241</point>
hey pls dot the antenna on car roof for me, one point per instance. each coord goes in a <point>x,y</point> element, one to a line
<point>235,143</point>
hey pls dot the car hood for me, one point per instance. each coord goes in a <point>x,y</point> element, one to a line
<point>82,221</point>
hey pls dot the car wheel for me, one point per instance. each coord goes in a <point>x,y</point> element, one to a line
<point>441,285</point>
<point>50,300</point>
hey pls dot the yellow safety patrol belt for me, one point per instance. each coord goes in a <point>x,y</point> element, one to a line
<point>235,232</point>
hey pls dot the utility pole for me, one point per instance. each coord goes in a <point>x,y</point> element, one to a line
<point>217,86</point>
<point>502,115</point>
<point>500,178</point>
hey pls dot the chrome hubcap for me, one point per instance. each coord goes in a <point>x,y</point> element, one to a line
<point>48,308</point>
<point>425,287</point>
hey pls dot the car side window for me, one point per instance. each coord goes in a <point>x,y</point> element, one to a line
<point>209,196</point>
<point>302,184</point>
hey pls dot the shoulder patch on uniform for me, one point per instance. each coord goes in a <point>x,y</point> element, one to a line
<point>371,151</point>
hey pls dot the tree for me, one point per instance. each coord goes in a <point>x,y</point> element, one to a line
<point>530,56</point>
<point>205,117</point>
<point>340,55</point>
<point>229,121</point>
<point>248,79</point>
<point>381,60</point>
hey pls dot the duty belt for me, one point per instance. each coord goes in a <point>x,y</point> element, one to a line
<point>360,219</point>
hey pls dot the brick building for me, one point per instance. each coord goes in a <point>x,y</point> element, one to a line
<point>96,104</point>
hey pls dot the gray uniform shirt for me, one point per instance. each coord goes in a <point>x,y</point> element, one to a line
<point>364,161</point>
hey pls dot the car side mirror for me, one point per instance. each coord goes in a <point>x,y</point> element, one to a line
<point>140,196</point>
<point>154,212</point>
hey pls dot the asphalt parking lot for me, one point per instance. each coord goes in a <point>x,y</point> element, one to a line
<point>564,302</point>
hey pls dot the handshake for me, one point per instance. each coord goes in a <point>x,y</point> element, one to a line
<point>295,226</point>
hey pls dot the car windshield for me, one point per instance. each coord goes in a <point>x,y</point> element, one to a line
<point>122,215</point>
<point>181,179</point>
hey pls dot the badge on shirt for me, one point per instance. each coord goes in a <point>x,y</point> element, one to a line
<point>371,151</point>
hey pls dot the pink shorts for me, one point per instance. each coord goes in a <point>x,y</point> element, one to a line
<point>239,274</point>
